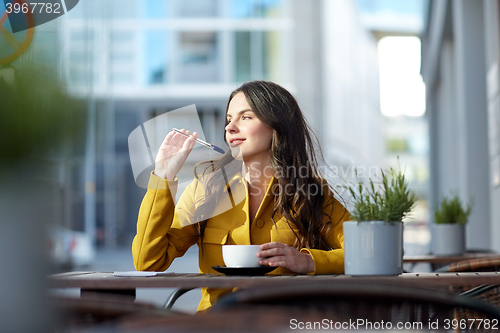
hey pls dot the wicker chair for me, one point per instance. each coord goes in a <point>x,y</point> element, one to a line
<point>444,267</point>
<point>334,306</point>
<point>485,293</point>
<point>374,303</point>
<point>491,264</point>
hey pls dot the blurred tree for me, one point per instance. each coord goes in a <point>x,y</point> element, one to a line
<point>36,118</point>
<point>36,115</point>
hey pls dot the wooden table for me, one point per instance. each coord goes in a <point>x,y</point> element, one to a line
<point>106,281</point>
<point>255,319</point>
<point>433,259</point>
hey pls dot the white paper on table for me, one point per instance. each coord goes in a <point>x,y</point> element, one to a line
<point>135,274</point>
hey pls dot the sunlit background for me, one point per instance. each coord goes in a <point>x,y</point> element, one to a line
<point>356,78</point>
<point>402,90</point>
<point>355,66</point>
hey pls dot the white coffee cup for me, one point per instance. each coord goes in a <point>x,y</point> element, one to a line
<point>241,255</point>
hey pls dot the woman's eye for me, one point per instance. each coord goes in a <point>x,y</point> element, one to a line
<point>247,117</point>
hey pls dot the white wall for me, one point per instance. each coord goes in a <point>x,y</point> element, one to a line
<point>454,69</point>
<point>352,126</point>
<point>492,26</point>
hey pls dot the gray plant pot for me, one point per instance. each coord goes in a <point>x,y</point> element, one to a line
<point>373,248</point>
<point>447,239</point>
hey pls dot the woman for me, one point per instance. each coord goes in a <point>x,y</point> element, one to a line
<point>265,190</point>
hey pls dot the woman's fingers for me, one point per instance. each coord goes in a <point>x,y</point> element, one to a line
<point>173,143</point>
<point>272,245</point>
<point>272,249</point>
<point>179,139</point>
<point>276,261</point>
<point>168,138</point>
<point>281,255</point>
<point>276,255</point>
<point>272,252</point>
<point>188,143</point>
<point>173,153</point>
<point>164,145</point>
<point>183,147</point>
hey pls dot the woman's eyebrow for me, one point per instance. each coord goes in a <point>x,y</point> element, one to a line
<point>240,112</point>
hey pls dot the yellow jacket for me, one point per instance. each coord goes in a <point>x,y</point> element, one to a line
<point>164,231</point>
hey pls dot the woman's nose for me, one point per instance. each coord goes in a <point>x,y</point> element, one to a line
<point>230,127</point>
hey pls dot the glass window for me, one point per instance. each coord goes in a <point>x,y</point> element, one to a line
<point>121,57</point>
<point>243,61</point>
<point>198,57</point>
<point>155,58</point>
<point>78,77</point>
<point>122,78</point>
<point>155,8</point>
<point>82,77</point>
<point>257,55</point>
<point>121,37</point>
<point>84,10</point>
<point>256,8</point>
<point>78,12</point>
<point>81,56</point>
<point>398,6</point>
<point>123,9</point>
<point>47,49</point>
<point>419,144</point>
<point>82,36</point>
<point>271,64</point>
<point>121,46</point>
<point>197,8</point>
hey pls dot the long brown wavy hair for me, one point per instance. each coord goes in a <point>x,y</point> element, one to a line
<point>292,148</point>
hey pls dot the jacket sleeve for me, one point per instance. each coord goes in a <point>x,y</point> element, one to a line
<point>331,262</point>
<point>160,237</point>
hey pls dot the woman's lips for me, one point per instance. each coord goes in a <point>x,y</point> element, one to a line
<point>236,142</point>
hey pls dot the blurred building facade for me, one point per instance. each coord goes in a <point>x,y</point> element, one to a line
<point>460,57</point>
<point>406,144</point>
<point>132,60</point>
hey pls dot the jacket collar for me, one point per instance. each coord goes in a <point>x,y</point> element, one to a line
<point>239,178</point>
<point>235,178</point>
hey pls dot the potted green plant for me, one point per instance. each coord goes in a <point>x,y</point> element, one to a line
<point>448,229</point>
<point>373,241</point>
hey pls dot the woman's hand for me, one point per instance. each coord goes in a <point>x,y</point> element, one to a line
<point>172,154</point>
<point>281,255</point>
